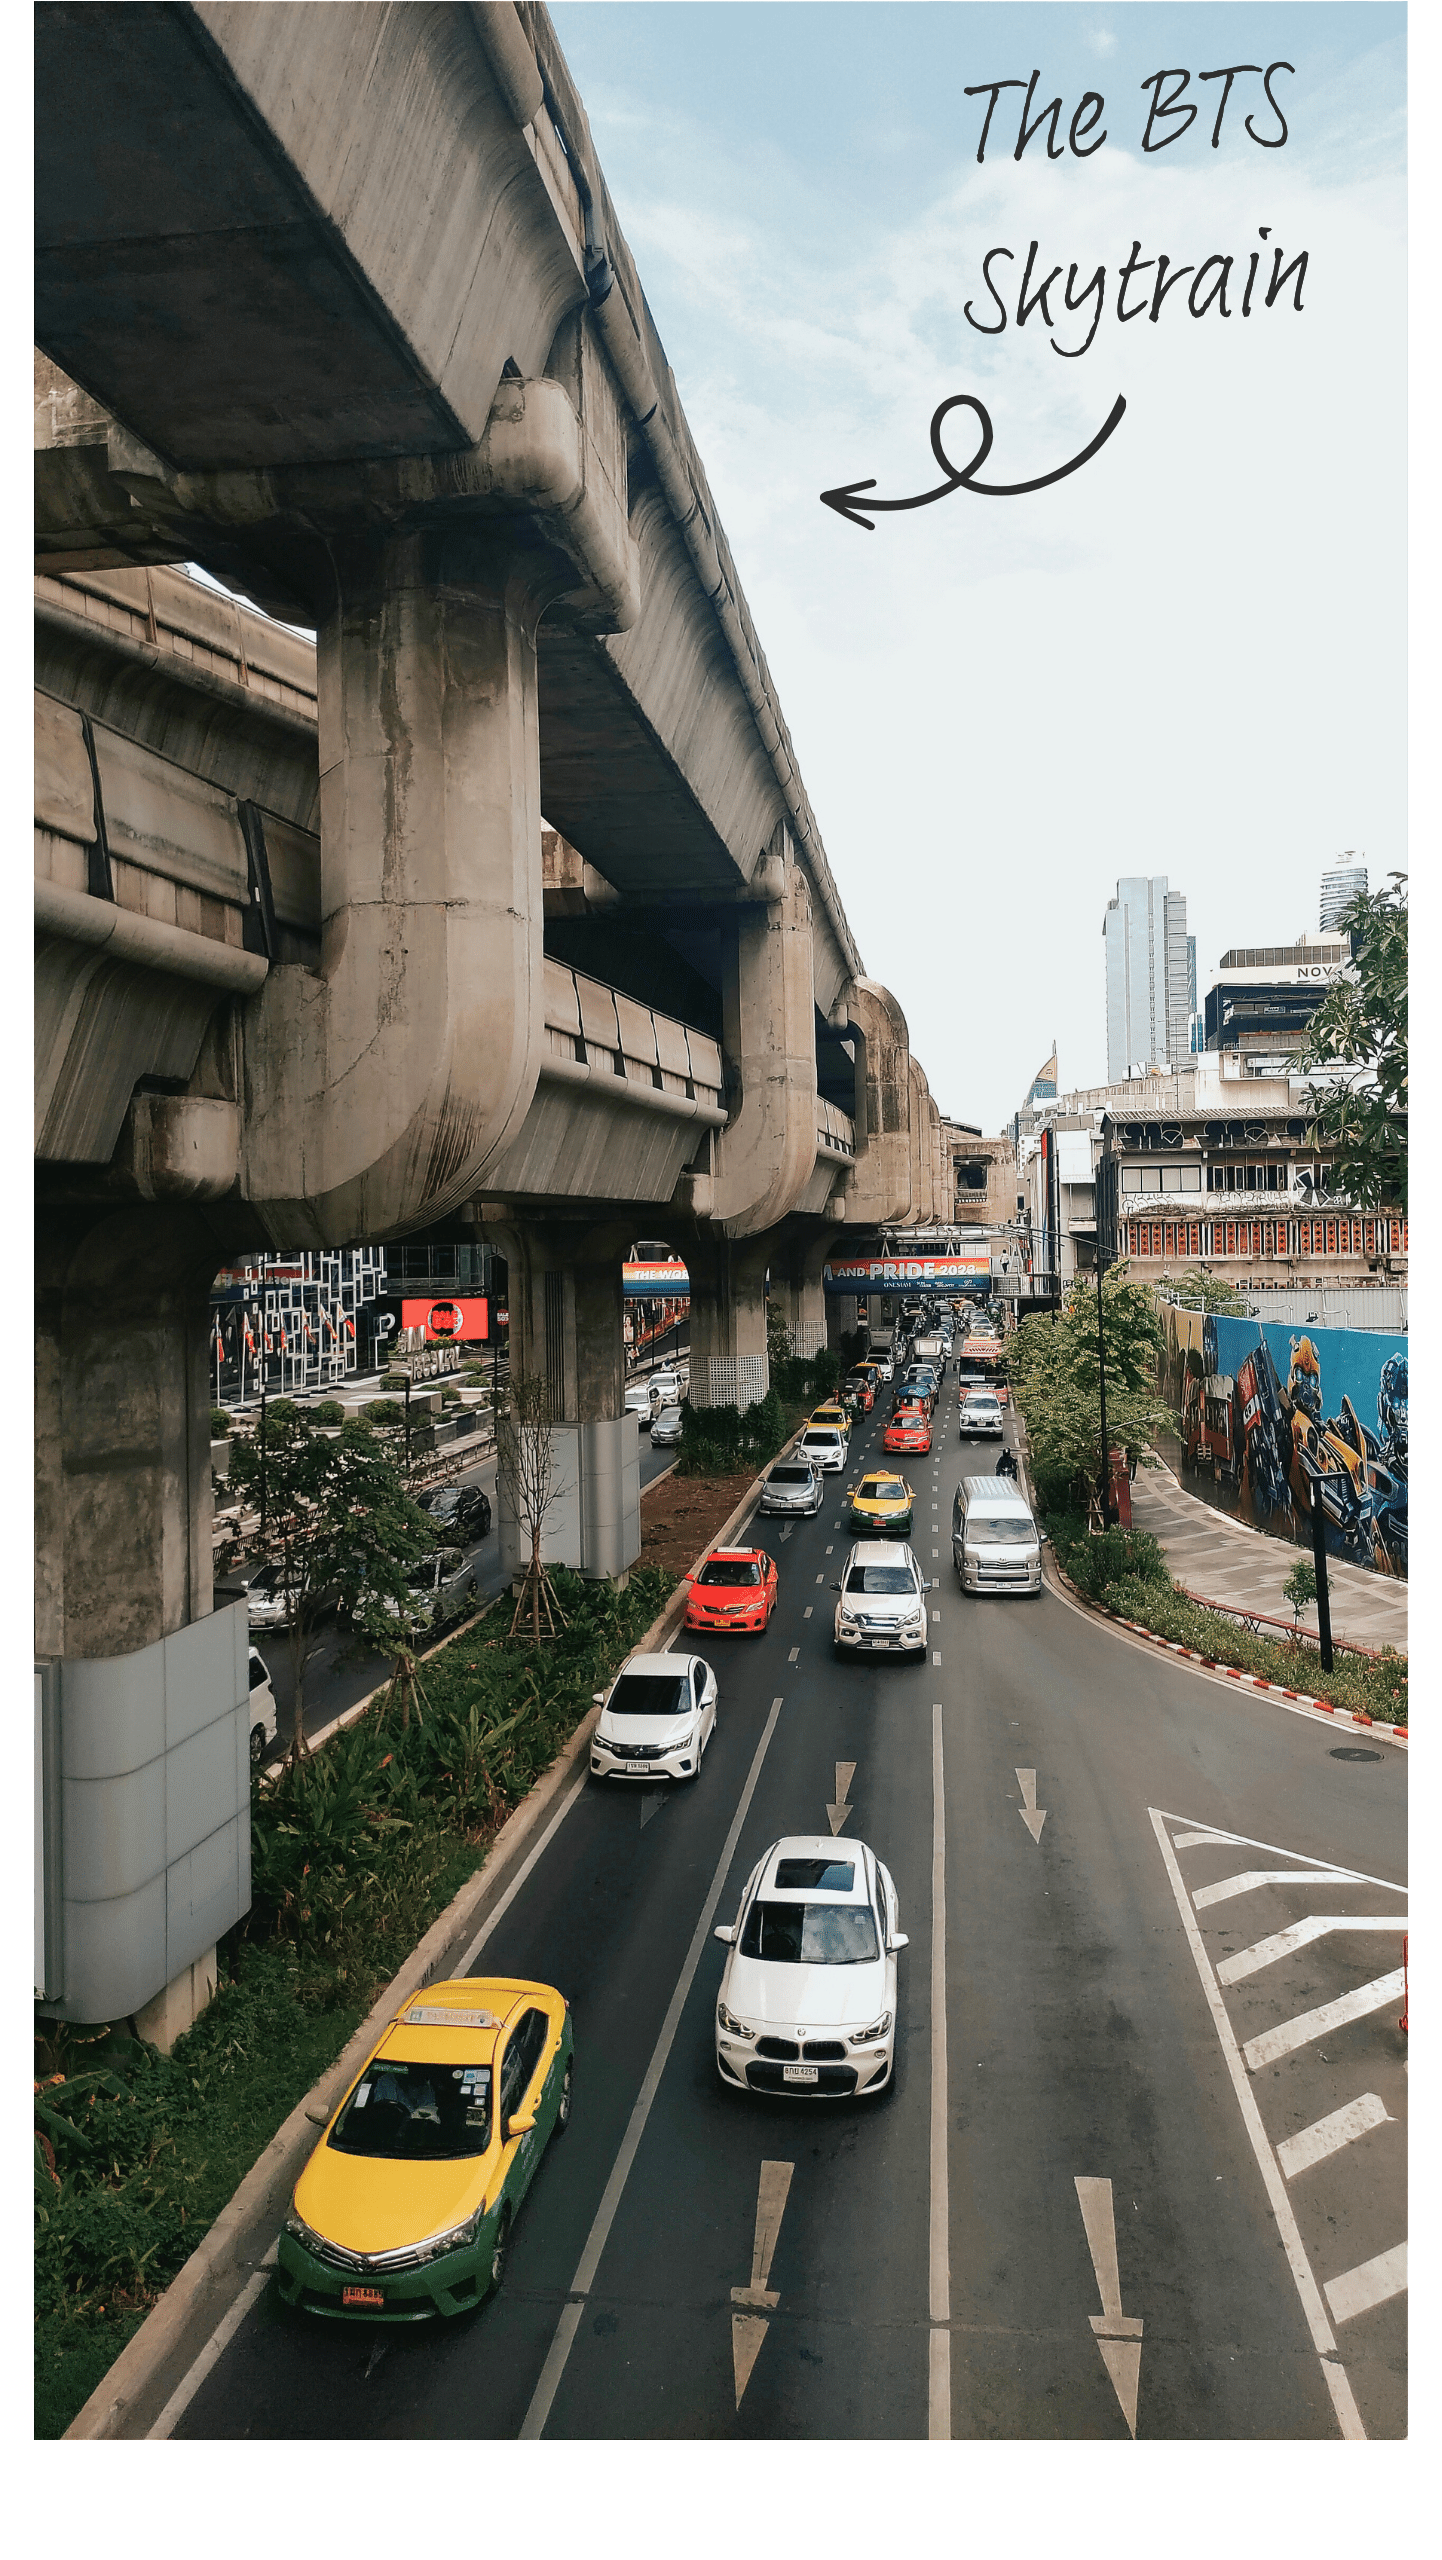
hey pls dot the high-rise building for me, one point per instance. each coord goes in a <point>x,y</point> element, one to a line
<point>1150,978</point>
<point>1347,880</point>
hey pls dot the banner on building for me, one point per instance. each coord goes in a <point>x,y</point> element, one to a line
<point>655,1280</point>
<point>446,1319</point>
<point>920,1275</point>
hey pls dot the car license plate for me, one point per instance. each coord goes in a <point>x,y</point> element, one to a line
<point>800,2074</point>
<point>362,2297</point>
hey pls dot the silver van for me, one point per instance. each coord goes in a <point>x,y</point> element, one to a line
<point>994,1541</point>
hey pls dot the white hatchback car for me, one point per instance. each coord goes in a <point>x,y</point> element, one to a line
<point>825,1446</point>
<point>656,1718</point>
<point>807,2006</point>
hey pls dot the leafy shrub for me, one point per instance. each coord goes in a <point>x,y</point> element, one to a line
<point>383,1409</point>
<point>450,1393</point>
<point>1377,1689</point>
<point>219,1423</point>
<point>329,1410</point>
<point>1116,1555</point>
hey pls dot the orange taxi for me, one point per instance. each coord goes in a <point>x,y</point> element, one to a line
<point>733,1592</point>
<point>909,1429</point>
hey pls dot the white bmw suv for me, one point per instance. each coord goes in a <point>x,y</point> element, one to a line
<point>807,2006</point>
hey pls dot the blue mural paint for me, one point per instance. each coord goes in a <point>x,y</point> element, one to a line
<point>1268,1411</point>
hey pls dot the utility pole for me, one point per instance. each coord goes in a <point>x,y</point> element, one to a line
<point>1106,1470</point>
<point>1319,1563</point>
<point>263,1509</point>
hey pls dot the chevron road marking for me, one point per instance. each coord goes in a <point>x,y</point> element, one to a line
<point>1255,1877</point>
<point>1319,2022</point>
<point>1271,1950</point>
<point>1366,2286</point>
<point>1331,2133</point>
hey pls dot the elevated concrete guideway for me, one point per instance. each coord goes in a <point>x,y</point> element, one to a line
<point>501,902</point>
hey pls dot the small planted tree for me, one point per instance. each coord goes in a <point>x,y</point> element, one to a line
<point>1299,1591</point>
<point>526,1472</point>
<point>341,1529</point>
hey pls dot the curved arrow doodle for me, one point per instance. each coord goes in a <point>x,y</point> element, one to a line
<point>844,501</point>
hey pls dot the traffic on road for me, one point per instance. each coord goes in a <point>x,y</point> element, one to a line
<point>1047,2082</point>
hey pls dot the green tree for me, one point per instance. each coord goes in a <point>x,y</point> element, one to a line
<point>1299,1591</point>
<point>1360,1028</point>
<point>1203,1290</point>
<point>339,1526</point>
<point>1055,1374</point>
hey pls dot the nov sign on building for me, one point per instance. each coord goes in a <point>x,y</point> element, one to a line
<point>942,1275</point>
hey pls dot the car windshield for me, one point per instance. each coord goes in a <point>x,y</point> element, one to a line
<point>738,1572</point>
<point>810,1933</point>
<point>881,1489</point>
<point>791,1475</point>
<point>1008,1531</point>
<point>820,1440</point>
<point>421,1576</point>
<point>636,1694</point>
<point>416,2111</point>
<point>982,1404</point>
<point>877,1578</point>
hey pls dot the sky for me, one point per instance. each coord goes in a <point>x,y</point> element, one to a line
<point>1186,658</point>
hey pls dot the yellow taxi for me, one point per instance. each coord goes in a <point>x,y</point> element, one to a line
<point>834,1417</point>
<point>405,2207</point>
<point>882,1502</point>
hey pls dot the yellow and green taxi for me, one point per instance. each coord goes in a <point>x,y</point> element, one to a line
<point>882,1503</point>
<point>833,1417</point>
<point>405,2207</point>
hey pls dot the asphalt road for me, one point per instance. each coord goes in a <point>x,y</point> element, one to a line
<point>1102,2091</point>
<point>337,1675</point>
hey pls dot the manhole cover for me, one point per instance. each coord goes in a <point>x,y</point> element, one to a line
<point>1353,1751</point>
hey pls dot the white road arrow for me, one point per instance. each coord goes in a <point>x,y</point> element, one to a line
<point>750,2324</point>
<point>837,1814</point>
<point>1026,1780</point>
<point>1119,2338</point>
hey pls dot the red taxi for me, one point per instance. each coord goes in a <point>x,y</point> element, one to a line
<point>733,1592</point>
<point>909,1429</point>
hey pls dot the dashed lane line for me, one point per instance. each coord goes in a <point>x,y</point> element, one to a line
<point>543,2398</point>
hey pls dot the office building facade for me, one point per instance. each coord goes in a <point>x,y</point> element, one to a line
<point>1150,971</point>
<point>1344,882</point>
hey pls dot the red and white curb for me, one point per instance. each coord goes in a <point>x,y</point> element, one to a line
<point>1223,1670</point>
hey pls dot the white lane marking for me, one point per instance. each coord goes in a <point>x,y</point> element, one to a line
<point>795,1654</point>
<point>838,1814</point>
<point>749,2327</point>
<point>936,1551</point>
<point>1274,1848</point>
<point>831,1550</point>
<point>543,2397</point>
<point>805,1613</point>
<point>936,1617</point>
<point>936,1662</point>
<point>821,1577</point>
<point>1203,1840</point>
<point>1255,1877</point>
<point>1364,2287</point>
<point>1119,2338</point>
<point>214,2348</point>
<point>1331,2133</point>
<point>1319,2022</point>
<point>938,2391</point>
<point>1026,1780</point>
<point>1348,2416</point>
<point>1267,1951</point>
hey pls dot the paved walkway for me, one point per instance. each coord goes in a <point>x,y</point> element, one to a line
<point>1222,1559</point>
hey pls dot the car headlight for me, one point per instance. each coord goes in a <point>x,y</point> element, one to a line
<point>872,2035</point>
<point>300,2229</point>
<point>732,2026</point>
<point>462,2236</point>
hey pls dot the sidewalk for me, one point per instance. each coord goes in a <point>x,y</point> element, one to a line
<point>1222,1559</point>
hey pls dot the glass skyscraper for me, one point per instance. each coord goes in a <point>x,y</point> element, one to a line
<point>1150,975</point>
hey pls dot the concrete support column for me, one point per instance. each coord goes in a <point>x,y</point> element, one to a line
<point>382,1085</point>
<point>729,1363</point>
<point>565,1299</point>
<point>143,1785</point>
<point>796,1287</point>
<point>766,1154</point>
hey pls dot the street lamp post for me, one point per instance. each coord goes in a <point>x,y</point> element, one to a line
<point>263,1511</point>
<point>1106,1465</point>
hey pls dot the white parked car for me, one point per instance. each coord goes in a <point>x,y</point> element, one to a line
<point>642,1400</point>
<point>656,1718</point>
<point>980,1414</point>
<point>807,2005</point>
<point>882,1608</point>
<point>262,1706</point>
<point>825,1446</point>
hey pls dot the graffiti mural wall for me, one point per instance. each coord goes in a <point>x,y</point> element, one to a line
<point>1267,1411</point>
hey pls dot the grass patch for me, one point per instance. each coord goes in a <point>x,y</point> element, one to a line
<point>353,1856</point>
<point>1125,1572</point>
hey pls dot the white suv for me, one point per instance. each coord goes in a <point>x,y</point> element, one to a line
<point>882,1608</point>
<point>807,2007</point>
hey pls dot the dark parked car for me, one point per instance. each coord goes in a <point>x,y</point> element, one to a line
<point>460,1510</point>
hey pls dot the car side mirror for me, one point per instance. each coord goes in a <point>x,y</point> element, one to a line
<point>896,1941</point>
<point>598,1697</point>
<point>317,2115</point>
<point>519,2124</point>
<point>836,1586</point>
<point>726,1936</point>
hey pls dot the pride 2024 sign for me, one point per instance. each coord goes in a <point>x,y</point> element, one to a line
<point>920,1275</point>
